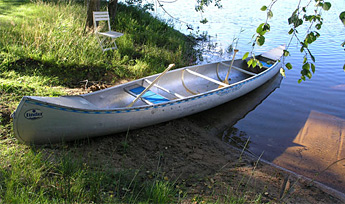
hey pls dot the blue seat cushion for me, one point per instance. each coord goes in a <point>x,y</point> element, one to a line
<point>265,64</point>
<point>149,95</point>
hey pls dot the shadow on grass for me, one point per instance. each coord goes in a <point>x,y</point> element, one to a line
<point>6,6</point>
<point>69,75</point>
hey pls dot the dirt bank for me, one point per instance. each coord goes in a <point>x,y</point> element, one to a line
<point>202,164</point>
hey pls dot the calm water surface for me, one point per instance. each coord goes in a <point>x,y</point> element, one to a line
<point>275,123</point>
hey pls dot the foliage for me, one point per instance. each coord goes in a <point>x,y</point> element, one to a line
<point>301,15</point>
<point>200,4</point>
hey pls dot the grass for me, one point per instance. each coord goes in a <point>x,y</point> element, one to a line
<point>43,49</point>
<point>62,175</point>
<point>49,39</point>
<point>64,178</point>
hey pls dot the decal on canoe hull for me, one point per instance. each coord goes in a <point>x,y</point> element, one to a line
<point>33,114</point>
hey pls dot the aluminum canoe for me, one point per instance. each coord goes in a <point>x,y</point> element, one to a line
<point>178,93</point>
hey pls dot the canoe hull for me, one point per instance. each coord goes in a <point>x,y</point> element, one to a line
<point>39,122</point>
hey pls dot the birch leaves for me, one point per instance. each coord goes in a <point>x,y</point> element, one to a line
<point>309,15</point>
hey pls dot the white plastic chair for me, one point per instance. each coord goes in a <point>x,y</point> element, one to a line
<point>99,16</point>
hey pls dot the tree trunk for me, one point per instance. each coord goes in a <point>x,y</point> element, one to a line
<point>94,5</point>
<point>112,8</point>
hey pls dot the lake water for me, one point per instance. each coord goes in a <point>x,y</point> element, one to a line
<point>300,127</point>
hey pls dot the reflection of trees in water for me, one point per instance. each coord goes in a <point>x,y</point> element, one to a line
<point>235,137</point>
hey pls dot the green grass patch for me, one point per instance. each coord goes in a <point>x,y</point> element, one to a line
<point>34,176</point>
<point>49,38</point>
<point>14,85</point>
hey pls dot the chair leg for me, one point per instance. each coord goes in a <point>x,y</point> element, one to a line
<point>103,44</point>
<point>115,45</point>
<point>100,42</point>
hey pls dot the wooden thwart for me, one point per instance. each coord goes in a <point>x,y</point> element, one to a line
<point>206,77</point>
<point>166,90</point>
<point>238,69</point>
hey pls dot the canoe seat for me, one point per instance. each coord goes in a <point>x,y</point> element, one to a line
<point>266,65</point>
<point>149,97</point>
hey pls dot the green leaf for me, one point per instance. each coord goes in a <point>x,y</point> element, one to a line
<point>260,29</point>
<point>299,81</point>
<point>260,64</point>
<point>317,34</point>
<point>286,53</point>
<point>250,62</point>
<point>310,38</point>
<point>245,55</point>
<point>303,73</point>
<point>344,67</point>
<point>343,44</point>
<point>309,74</point>
<point>318,26</point>
<point>260,40</point>
<point>342,17</point>
<point>264,8</point>
<point>288,66</point>
<point>305,68</point>
<point>267,27</point>
<point>313,67</point>
<point>282,72</point>
<point>269,14</point>
<point>298,22</point>
<point>291,31</point>
<point>254,63</point>
<point>326,6</point>
<point>204,21</point>
<point>290,20</point>
<point>303,45</point>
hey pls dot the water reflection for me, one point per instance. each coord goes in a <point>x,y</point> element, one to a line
<point>220,120</point>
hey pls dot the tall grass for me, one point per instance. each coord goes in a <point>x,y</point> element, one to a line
<point>50,38</point>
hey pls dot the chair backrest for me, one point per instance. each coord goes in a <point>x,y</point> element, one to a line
<point>100,16</point>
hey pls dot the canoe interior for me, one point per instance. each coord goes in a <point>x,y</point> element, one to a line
<point>171,86</point>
